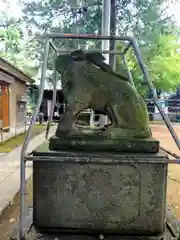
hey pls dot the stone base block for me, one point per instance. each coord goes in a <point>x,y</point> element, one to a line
<point>102,143</point>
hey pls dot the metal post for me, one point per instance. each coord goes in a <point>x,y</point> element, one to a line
<point>112,57</point>
<point>128,71</point>
<point>25,145</point>
<point>55,79</point>
<point>106,17</point>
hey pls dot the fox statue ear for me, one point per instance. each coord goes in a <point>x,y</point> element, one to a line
<point>78,55</point>
<point>91,56</point>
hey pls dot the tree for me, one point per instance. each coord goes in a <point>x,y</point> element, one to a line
<point>145,19</point>
<point>14,46</point>
<point>163,63</point>
<point>60,16</point>
<point>164,67</point>
<point>132,15</point>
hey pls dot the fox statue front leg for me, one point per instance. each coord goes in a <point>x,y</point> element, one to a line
<point>66,125</point>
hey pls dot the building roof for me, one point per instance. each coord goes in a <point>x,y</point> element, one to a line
<point>13,71</point>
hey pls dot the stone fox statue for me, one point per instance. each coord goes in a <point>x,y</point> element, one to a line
<point>88,82</point>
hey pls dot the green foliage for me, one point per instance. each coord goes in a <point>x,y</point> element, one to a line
<point>164,67</point>
<point>162,59</point>
<point>15,48</point>
<point>142,18</point>
<point>11,36</point>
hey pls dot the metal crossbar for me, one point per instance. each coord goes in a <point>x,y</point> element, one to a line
<point>86,36</point>
<point>70,50</point>
<point>128,42</point>
<point>82,160</point>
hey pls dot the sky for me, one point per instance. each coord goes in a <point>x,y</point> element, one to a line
<point>11,8</point>
<point>174,10</point>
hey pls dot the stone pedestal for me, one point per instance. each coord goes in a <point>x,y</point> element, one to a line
<point>107,192</point>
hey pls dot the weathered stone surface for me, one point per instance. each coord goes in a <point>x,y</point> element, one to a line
<point>32,233</point>
<point>102,143</point>
<point>116,197</point>
<point>88,82</point>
